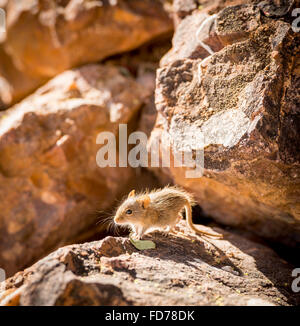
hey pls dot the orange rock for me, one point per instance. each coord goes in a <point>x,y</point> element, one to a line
<point>51,188</point>
<point>243,103</point>
<point>71,34</point>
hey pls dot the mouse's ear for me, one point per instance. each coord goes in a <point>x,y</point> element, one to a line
<point>145,201</point>
<point>132,193</point>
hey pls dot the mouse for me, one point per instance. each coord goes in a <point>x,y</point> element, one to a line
<point>160,209</point>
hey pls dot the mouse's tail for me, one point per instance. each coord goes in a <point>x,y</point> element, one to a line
<point>188,213</point>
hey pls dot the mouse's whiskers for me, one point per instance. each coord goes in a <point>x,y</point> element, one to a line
<point>104,220</point>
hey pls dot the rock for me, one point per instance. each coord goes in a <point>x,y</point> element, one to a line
<point>143,63</point>
<point>72,33</point>
<point>183,8</point>
<point>51,189</point>
<point>199,30</point>
<point>244,100</point>
<point>14,84</point>
<point>184,269</point>
<point>232,27</point>
<point>186,40</point>
<point>277,8</point>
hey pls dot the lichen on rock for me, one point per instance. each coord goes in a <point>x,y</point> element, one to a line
<point>237,99</point>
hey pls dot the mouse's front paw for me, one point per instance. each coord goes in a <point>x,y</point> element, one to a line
<point>165,233</point>
<point>135,236</point>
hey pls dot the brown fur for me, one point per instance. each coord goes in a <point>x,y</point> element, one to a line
<point>159,209</point>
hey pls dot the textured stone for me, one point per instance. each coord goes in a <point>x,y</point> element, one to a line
<point>51,188</point>
<point>186,40</point>
<point>278,8</point>
<point>245,100</point>
<point>184,269</point>
<point>14,84</point>
<point>44,38</point>
<point>183,8</point>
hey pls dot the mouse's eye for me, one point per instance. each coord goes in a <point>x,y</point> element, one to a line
<point>129,211</point>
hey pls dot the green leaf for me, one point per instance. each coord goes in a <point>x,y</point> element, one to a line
<point>142,244</point>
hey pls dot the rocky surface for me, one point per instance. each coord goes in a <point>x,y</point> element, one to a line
<point>244,99</point>
<point>184,8</point>
<point>51,187</point>
<point>186,43</point>
<point>44,38</point>
<point>235,81</point>
<point>14,84</point>
<point>184,269</point>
